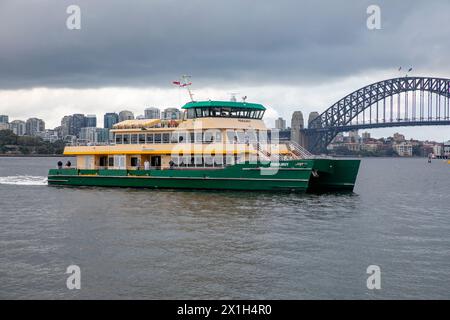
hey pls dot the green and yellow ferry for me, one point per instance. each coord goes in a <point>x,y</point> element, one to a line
<point>216,145</point>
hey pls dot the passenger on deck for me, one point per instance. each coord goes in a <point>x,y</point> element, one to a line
<point>68,164</point>
<point>146,165</point>
<point>60,164</point>
<point>171,164</point>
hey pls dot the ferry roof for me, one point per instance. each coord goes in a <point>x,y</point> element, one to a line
<point>227,104</point>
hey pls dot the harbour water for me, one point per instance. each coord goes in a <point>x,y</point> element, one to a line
<point>167,244</point>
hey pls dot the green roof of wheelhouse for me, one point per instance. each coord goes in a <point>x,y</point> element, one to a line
<point>225,104</point>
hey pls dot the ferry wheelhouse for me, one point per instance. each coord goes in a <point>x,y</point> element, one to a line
<point>215,145</point>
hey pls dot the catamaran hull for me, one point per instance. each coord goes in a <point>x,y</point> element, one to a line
<point>316,175</point>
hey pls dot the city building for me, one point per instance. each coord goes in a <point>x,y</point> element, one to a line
<point>79,121</point>
<point>91,120</point>
<point>366,135</point>
<point>403,149</point>
<point>19,127</point>
<point>125,115</point>
<point>152,113</point>
<point>110,119</point>
<point>4,119</point>
<point>4,126</point>
<point>67,126</point>
<point>33,126</point>
<point>91,135</point>
<point>49,135</point>
<point>280,124</point>
<point>171,114</point>
<point>399,137</point>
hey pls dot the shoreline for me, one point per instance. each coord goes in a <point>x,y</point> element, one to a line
<point>33,156</point>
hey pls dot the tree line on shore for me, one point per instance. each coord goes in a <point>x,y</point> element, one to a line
<point>11,143</point>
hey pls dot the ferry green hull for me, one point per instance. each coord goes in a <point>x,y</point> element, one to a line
<point>316,175</point>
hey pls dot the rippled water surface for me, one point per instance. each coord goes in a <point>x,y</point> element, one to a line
<point>203,244</point>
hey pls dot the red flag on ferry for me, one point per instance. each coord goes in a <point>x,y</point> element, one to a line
<point>176,83</point>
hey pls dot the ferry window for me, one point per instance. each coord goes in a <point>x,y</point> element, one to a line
<point>118,139</point>
<point>234,113</point>
<point>191,136</point>
<point>252,136</point>
<point>218,160</point>
<point>142,138</point>
<point>134,161</point>
<point>231,136</point>
<point>150,138</point>
<point>229,159</point>
<point>198,137</point>
<point>198,112</point>
<point>262,135</point>
<point>102,161</point>
<point>134,139</point>
<point>208,137</point>
<point>209,161</point>
<point>191,113</point>
<point>215,112</point>
<point>190,161</point>
<point>185,161</point>
<point>225,112</point>
<point>174,137</point>
<point>218,136</point>
<point>126,139</point>
<point>110,162</point>
<point>240,136</point>
<point>166,137</point>
<point>198,161</point>
<point>157,137</point>
<point>205,112</point>
<point>182,137</point>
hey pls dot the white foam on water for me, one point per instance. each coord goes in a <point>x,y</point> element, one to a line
<point>24,180</point>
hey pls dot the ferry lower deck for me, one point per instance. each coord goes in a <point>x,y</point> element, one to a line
<point>316,175</point>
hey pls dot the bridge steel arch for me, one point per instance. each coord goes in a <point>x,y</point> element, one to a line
<point>338,118</point>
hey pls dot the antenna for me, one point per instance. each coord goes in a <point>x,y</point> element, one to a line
<point>185,82</point>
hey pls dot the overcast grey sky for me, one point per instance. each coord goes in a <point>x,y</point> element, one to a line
<point>288,55</point>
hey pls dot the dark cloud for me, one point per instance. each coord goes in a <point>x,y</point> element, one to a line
<point>142,43</point>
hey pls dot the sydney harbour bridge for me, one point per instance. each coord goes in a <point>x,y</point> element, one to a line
<point>398,102</point>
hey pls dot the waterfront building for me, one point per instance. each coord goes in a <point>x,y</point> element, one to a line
<point>399,137</point>
<point>171,114</point>
<point>280,124</point>
<point>4,119</point>
<point>446,149</point>
<point>438,150</point>
<point>152,113</point>
<point>4,126</point>
<point>110,119</point>
<point>33,126</point>
<point>125,115</point>
<point>403,149</point>
<point>366,135</point>
<point>19,127</point>
<point>91,120</point>
<point>49,135</point>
